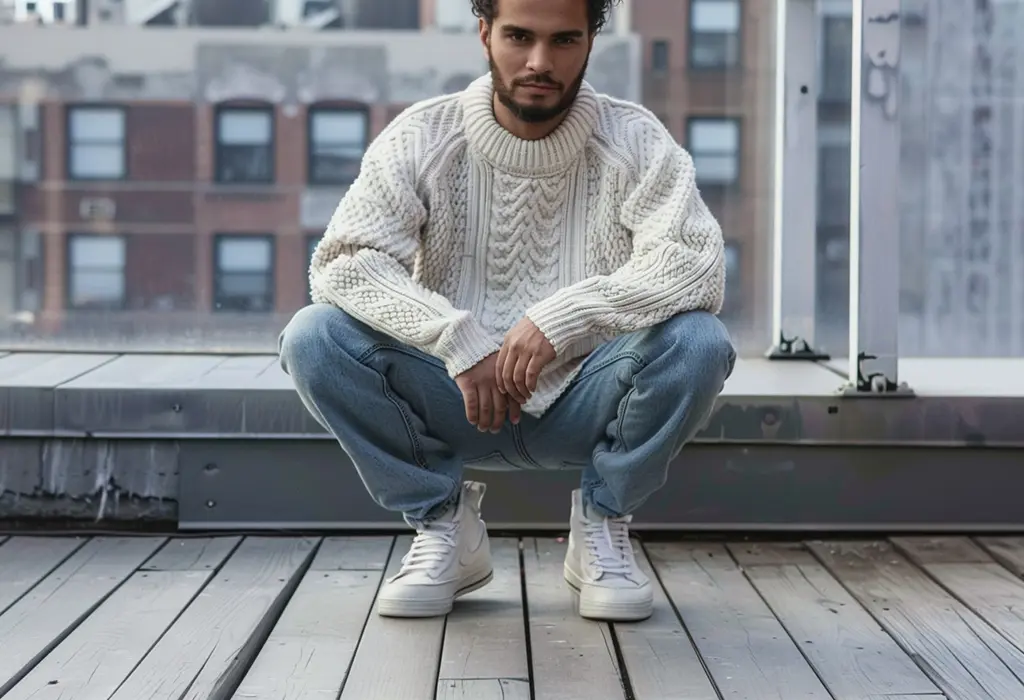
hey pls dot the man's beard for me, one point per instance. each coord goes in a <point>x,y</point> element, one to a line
<point>529,113</point>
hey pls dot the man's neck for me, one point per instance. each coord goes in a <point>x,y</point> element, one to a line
<point>529,131</point>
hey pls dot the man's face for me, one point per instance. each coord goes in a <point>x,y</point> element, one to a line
<point>538,52</point>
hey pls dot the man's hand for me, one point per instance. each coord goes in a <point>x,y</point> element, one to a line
<point>486,406</point>
<point>523,355</point>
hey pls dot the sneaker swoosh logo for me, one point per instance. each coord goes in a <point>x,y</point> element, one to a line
<point>479,544</point>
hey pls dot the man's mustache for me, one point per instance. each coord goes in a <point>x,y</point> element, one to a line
<point>539,81</point>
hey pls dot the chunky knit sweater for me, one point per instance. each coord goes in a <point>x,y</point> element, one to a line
<point>455,229</point>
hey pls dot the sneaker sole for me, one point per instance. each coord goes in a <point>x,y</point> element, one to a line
<point>631,611</point>
<point>418,607</point>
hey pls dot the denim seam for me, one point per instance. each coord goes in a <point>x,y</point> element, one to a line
<point>399,348</point>
<point>622,417</point>
<point>417,447</point>
<point>517,439</point>
<point>626,355</point>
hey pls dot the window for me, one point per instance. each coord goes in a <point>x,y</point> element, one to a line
<point>244,273</point>
<point>96,272</point>
<point>96,143</point>
<point>659,56</point>
<point>337,141</point>
<point>245,145</point>
<point>714,33</point>
<point>714,144</point>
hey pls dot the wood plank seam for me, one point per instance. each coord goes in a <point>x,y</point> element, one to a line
<point>656,579</point>
<point>951,683</point>
<point>782,622</point>
<point>214,572</point>
<point>526,614</point>
<point>990,634</point>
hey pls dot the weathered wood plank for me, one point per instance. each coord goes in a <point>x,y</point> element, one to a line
<point>924,619</point>
<point>485,637</point>
<point>353,554</point>
<point>309,651</point>
<point>202,656</point>
<point>660,659</point>
<point>396,658</point>
<point>192,554</point>
<point>487,689</point>
<point>853,656</point>
<point>994,594</point>
<point>96,658</point>
<point>572,657</point>
<point>747,651</point>
<point>1008,551</point>
<point>44,616</point>
<point>24,561</point>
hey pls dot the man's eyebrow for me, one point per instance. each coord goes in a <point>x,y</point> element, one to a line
<point>567,34</point>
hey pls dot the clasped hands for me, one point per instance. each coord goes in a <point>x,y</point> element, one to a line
<point>503,381</point>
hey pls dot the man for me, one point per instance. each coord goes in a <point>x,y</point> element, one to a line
<point>523,275</point>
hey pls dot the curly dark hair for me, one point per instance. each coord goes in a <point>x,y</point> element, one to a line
<point>597,11</point>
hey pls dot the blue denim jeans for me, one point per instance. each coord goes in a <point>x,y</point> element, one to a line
<point>635,403</point>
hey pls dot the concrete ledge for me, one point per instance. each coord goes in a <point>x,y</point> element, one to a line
<point>189,397</point>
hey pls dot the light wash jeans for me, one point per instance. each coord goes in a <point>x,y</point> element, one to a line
<point>401,419</point>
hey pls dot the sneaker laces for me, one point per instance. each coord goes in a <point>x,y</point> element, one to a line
<point>432,545</point>
<point>608,542</point>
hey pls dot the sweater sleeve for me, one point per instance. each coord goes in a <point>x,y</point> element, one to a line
<point>677,262</point>
<point>364,263</point>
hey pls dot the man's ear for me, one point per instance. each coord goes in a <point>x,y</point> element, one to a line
<point>485,37</point>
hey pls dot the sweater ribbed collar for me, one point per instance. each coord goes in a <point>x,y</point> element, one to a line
<point>503,150</point>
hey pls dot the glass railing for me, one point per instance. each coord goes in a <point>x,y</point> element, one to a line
<point>163,188</point>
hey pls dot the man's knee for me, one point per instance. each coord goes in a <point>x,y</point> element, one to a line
<point>312,336</point>
<point>701,343</point>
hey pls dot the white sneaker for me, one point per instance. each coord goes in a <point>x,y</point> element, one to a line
<point>600,567</point>
<point>449,557</point>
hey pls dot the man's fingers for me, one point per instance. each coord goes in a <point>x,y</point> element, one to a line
<point>498,367</point>
<point>472,404</point>
<point>515,411</point>
<point>486,408</point>
<point>532,373</point>
<point>520,376</point>
<point>508,375</point>
<point>500,407</point>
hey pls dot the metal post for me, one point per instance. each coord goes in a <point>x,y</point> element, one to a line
<point>874,200</point>
<point>794,291</point>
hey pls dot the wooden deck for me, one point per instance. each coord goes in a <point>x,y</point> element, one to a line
<point>290,618</point>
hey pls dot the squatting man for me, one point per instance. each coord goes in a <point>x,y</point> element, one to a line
<point>523,275</point>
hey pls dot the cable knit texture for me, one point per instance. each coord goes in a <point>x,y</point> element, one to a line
<point>456,229</point>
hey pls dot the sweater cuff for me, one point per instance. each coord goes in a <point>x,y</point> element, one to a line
<point>562,318</point>
<point>464,344</point>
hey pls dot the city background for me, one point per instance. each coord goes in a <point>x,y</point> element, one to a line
<point>166,166</point>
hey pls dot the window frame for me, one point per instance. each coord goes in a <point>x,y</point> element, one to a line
<point>692,33</point>
<point>70,142</point>
<point>217,306</point>
<point>311,143</point>
<point>694,119</point>
<point>218,147</point>
<point>70,269</point>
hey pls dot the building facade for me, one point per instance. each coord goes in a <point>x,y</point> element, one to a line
<point>168,176</point>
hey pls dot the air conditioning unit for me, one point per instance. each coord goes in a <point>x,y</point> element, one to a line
<point>97,208</point>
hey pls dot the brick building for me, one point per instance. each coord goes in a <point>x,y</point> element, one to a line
<point>179,181</point>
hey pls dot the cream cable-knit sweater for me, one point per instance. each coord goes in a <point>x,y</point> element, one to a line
<point>455,229</point>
